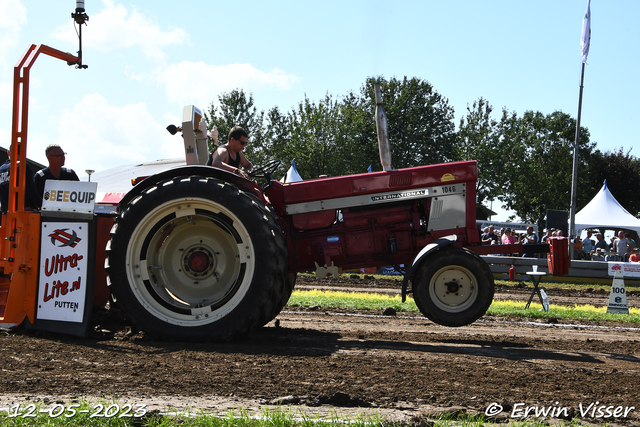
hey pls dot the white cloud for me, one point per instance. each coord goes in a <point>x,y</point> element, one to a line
<point>100,136</point>
<point>6,104</point>
<point>13,15</point>
<point>114,28</point>
<point>5,138</point>
<point>6,96</point>
<point>6,107</point>
<point>197,82</point>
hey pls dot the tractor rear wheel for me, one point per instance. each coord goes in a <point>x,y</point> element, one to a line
<point>453,287</point>
<point>197,257</point>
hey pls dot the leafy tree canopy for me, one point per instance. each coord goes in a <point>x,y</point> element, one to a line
<point>523,161</point>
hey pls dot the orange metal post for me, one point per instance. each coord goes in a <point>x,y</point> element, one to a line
<point>20,229</point>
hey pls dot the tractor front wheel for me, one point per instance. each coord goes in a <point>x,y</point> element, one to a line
<point>453,287</point>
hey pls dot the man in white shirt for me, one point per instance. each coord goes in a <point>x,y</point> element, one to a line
<point>621,245</point>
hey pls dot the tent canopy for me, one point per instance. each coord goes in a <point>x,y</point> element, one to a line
<point>604,211</point>
<point>292,174</point>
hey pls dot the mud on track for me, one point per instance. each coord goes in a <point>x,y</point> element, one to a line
<point>403,365</point>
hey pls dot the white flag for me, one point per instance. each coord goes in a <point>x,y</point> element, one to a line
<point>585,41</point>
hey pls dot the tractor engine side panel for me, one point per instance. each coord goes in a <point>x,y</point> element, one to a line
<point>358,237</point>
<point>381,231</point>
<point>376,219</point>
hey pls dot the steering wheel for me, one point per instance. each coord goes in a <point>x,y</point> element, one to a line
<point>265,171</point>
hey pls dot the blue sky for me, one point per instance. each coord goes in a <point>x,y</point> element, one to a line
<point>147,59</point>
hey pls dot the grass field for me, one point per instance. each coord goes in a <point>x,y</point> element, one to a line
<point>378,302</point>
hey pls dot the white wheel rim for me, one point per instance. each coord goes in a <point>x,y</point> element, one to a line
<point>453,289</point>
<point>190,261</point>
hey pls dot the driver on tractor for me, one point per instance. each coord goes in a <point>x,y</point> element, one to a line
<point>229,157</point>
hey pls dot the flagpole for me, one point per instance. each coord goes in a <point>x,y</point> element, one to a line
<point>576,156</point>
<point>585,42</point>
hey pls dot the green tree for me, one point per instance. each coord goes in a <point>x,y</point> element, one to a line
<point>479,139</point>
<point>619,169</point>
<point>238,109</point>
<point>277,139</point>
<point>314,137</point>
<point>359,140</point>
<point>337,135</point>
<point>538,166</point>
<point>420,121</point>
<point>332,137</point>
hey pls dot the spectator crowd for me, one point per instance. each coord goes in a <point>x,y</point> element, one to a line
<point>594,246</point>
<point>619,248</point>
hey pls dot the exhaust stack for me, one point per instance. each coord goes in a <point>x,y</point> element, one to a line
<point>381,128</point>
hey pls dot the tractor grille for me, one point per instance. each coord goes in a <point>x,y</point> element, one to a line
<point>400,180</point>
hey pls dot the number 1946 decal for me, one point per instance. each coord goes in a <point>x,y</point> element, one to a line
<point>449,189</point>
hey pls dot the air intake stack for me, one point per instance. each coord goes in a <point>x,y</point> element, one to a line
<point>381,128</point>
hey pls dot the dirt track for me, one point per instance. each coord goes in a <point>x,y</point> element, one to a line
<point>403,365</point>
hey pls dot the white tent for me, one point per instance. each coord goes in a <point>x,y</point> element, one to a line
<point>604,211</point>
<point>292,174</point>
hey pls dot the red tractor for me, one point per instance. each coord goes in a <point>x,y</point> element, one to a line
<point>198,252</point>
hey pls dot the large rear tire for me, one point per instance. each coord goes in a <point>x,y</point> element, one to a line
<point>197,257</point>
<point>453,287</point>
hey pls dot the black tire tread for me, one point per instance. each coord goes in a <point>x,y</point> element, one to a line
<point>266,290</point>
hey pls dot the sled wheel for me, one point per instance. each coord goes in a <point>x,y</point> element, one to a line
<point>453,287</point>
<point>196,257</point>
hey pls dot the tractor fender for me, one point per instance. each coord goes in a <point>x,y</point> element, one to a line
<point>185,171</point>
<point>422,257</point>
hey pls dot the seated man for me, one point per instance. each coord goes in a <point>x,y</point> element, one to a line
<point>56,157</point>
<point>598,255</point>
<point>578,248</point>
<point>229,157</point>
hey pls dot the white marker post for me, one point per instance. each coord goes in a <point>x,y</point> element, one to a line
<point>618,296</point>
<point>545,301</point>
